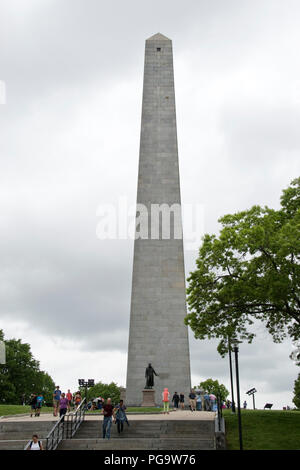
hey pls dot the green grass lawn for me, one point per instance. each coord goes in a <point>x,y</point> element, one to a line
<point>264,430</point>
<point>19,409</point>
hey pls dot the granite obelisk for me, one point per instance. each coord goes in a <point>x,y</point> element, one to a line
<point>157,332</point>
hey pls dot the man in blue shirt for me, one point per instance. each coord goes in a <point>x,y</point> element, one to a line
<point>56,398</point>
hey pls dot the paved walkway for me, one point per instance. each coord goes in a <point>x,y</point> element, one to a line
<point>174,415</point>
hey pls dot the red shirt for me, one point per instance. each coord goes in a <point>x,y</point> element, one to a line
<point>108,410</point>
<point>69,396</point>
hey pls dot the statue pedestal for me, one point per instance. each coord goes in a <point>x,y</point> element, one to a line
<point>148,397</point>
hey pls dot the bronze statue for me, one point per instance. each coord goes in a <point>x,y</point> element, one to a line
<point>149,374</point>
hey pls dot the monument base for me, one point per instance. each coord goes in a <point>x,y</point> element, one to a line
<point>148,397</point>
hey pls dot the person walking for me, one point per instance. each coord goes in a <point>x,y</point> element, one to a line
<point>35,444</point>
<point>120,416</point>
<point>107,412</point>
<point>175,400</point>
<point>39,404</point>
<point>192,397</point>
<point>206,401</point>
<point>181,400</point>
<point>213,402</point>
<point>166,400</point>
<point>199,402</point>
<point>33,400</point>
<point>245,405</point>
<point>77,399</point>
<point>56,398</point>
<point>69,397</point>
<point>63,405</point>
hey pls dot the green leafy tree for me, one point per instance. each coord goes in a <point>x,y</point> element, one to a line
<point>45,385</point>
<point>295,354</point>
<point>100,389</point>
<point>213,386</point>
<point>21,375</point>
<point>250,272</point>
<point>296,398</point>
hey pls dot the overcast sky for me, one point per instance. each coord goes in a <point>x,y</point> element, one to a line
<point>69,141</point>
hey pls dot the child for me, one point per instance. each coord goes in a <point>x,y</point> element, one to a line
<point>166,400</point>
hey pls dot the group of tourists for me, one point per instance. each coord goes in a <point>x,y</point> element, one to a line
<point>111,415</point>
<point>197,401</point>
<point>95,404</point>
<point>177,400</point>
<point>62,402</point>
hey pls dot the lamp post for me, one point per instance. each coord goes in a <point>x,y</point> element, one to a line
<point>236,353</point>
<point>86,384</point>
<point>252,392</point>
<point>231,377</point>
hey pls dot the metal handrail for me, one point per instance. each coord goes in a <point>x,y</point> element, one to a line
<point>27,445</point>
<point>220,411</point>
<point>75,419</point>
<point>66,427</point>
<point>56,435</point>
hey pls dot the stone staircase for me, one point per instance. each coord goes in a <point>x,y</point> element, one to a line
<point>14,435</point>
<point>145,435</point>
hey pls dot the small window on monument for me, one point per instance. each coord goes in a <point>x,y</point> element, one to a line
<point>158,49</point>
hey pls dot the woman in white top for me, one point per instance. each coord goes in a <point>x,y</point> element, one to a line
<point>35,444</point>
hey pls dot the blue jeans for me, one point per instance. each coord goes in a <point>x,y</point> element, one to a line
<point>107,421</point>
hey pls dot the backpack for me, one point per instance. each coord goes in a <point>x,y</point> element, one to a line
<point>39,443</point>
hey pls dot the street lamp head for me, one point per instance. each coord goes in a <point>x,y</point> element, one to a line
<point>235,344</point>
<point>88,383</point>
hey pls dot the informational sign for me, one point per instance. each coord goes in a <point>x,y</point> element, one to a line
<point>2,353</point>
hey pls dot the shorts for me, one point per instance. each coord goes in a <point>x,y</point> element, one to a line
<point>56,403</point>
<point>33,407</point>
<point>39,405</point>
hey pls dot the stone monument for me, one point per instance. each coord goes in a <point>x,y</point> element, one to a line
<point>157,332</point>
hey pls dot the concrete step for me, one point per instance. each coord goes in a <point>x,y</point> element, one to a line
<point>151,429</point>
<point>15,436</point>
<point>18,444</point>
<point>16,426</point>
<point>136,435</point>
<point>138,444</point>
<point>23,431</point>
